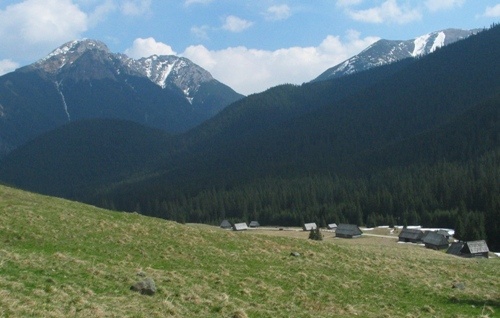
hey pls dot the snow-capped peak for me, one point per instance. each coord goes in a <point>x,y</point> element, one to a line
<point>165,70</point>
<point>388,51</point>
<point>68,53</point>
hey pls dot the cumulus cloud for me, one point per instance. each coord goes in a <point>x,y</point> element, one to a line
<point>278,12</point>
<point>251,70</point>
<point>147,47</point>
<point>32,28</point>
<point>7,66</point>
<point>235,24</point>
<point>492,12</point>
<point>438,5</point>
<point>388,12</point>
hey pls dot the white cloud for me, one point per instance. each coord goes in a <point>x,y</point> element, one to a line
<point>492,12</point>
<point>250,70</point>
<point>147,47</point>
<point>235,24</point>
<point>388,12</point>
<point>437,5</point>
<point>278,12</point>
<point>31,28</point>
<point>7,66</point>
<point>135,7</point>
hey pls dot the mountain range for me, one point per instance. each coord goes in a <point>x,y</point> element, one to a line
<point>388,51</point>
<point>83,80</point>
<point>415,140</point>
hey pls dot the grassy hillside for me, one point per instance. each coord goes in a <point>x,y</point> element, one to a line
<point>61,259</point>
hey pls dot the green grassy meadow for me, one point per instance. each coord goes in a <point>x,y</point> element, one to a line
<point>65,259</point>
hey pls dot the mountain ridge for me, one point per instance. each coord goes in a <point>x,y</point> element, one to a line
<point>82,79</point>
<point>163,70</point>
<point>388,51</point>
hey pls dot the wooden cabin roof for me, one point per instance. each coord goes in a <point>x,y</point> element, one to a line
<point>435,239</point>
<point>477,247</point>
<point>240,226</point>
<point>348,229</point>
<point>412,234</point>
<point>310,226</point>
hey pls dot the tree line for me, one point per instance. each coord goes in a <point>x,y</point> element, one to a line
<point>462,196</point>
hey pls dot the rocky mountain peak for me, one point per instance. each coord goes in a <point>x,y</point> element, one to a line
<point>67,53</point>
<point>388,51</point>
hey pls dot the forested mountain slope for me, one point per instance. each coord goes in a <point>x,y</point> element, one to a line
<point>376,147</point>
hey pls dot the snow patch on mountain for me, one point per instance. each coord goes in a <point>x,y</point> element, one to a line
<point>420,44</point>
<point>58,84</point>
<point>388,51</point>
<point>438,41</point>
<point>165,70</point>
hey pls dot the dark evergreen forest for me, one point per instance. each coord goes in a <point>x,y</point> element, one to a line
<point>414,142</point>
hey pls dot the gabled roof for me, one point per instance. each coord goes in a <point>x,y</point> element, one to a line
<point>332,226</point>
<point>455,248</point>
<point>435,239</point>
<point>225,224</point>
<point>348,229</point>
<point>412,234</point>
<point>477,247</point>
<point>310,226</point>
<point>443,232</point>
<point>254,224</point>
<point>240,226</point>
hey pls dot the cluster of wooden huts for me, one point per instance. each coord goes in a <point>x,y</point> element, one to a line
<point>341,230</point>
<point>439,240</point>
<point>238,226</point>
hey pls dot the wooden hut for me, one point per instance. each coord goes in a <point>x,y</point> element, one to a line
<point>332,226</point>
<point>309,226</point>
<point>254,224</point>
<point>472,249</point>
<point>444,233</point>
<point>226,224</point>
<point>240,227</point>
<point>435,241</point>
<point>411,235</point>
<point>348,231</point>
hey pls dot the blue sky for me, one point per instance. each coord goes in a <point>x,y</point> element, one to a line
<point>248,45</point>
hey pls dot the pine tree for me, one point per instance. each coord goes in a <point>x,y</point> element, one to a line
<point>315,234</point>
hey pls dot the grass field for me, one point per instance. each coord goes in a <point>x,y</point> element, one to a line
<point>65,259</point>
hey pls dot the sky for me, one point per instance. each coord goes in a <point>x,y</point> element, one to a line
<point>249,45</point>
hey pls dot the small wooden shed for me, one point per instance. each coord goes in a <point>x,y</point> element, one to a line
<point>411,235</point>
<point>444,233</point>
<point>435,241</point>
<point>348,231</point>
<point>254,224</point>
<point>309,226</point>
<point>332,226</point>
<point>472,249</point>
<point>240,227</point>
<point>226,224</point>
